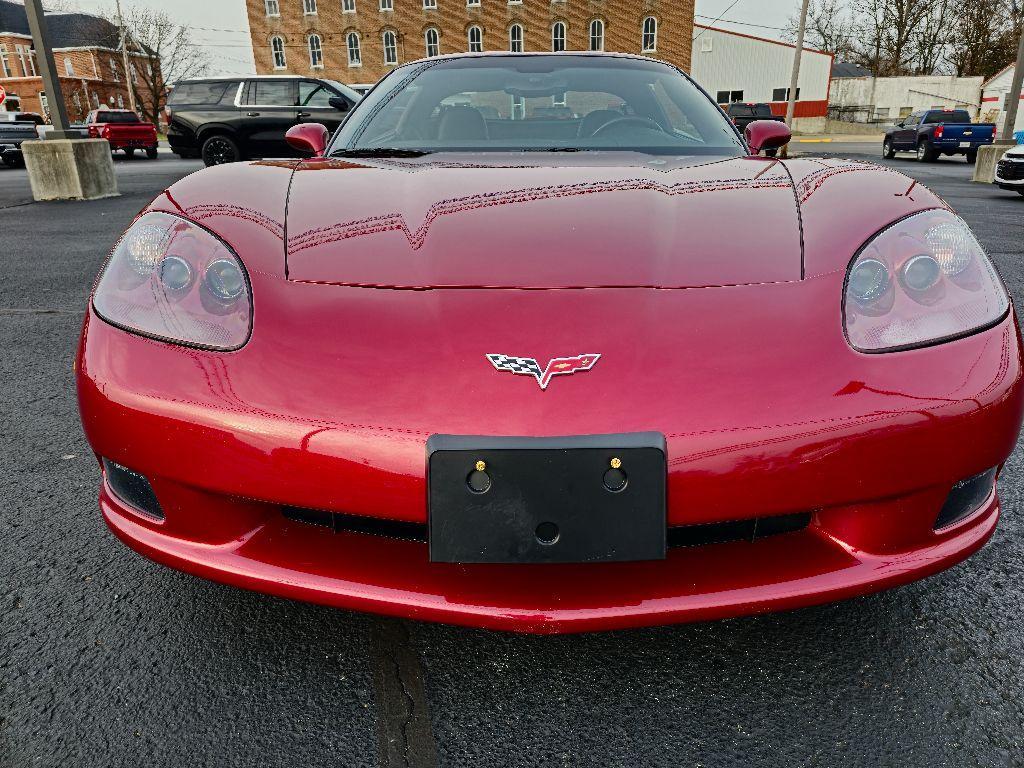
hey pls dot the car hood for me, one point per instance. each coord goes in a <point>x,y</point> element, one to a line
<point>616,220</point>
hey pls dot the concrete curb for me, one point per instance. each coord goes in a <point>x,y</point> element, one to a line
<point>70,169</point>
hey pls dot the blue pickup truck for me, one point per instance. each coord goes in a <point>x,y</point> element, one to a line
<point>934,132</point>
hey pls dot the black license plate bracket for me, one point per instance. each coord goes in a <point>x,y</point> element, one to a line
<point>548,500</point>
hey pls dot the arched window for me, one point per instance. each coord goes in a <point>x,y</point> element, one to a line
<point>348,6</point>
<point>309,7</point>
<point>272,7</point>
<point>597,35</point>
<point>355,57</point>
<point>316,52</point>
<point>558,36</point>
<point>277,49</point>
<point>433,42</point>
<point>390,47</point>
<point>476,39</point>
<point>515,38</point>
<point>650,40</point>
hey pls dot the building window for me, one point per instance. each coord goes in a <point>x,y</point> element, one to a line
<point>120,101</point>
<point>277,50</point>
<point>558,36</point>
<point>597,35</point>
<point>355,58</point>
<point>5,62</point>
<point>728,97</point>
<point>429,4</point>
<point>309,7</point>
<point>95,100</point>
<point>650,39</point>
<point>782,94</point>
<point>69,67</point>
<point>518,108</point>
<point>472,3</point>
<point>515,2</point>
<point>272,7</point>
<point>316,52</point>
<point>433,42</point>
<point>558,100</point>
<point>45,103</point>
<point>134,73</point>
<point>27,58</point>
<point>76,101</point>
<point>390,47</point>
<point>113,71</point>
<point>348,6</point>
<point>476,39</point>
<point>515,38</point>
<point>387,5</point>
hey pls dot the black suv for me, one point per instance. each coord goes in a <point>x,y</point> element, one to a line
<point>223,120</point>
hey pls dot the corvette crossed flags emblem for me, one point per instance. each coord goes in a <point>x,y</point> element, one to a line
<point>560,366</point>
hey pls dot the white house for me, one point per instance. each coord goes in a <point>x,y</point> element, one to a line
<point>993,99</point>
<point>732,66</point>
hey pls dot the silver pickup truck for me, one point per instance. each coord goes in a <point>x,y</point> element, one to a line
<point>13,132</point>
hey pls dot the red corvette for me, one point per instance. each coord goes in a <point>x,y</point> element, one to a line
<point>541,343</point>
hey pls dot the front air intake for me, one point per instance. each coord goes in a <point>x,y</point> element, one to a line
<point>966,498</point>
<point>132,488</point>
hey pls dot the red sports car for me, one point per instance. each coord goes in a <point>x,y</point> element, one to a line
<point>481,362</point>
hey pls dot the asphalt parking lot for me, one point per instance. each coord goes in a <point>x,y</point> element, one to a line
<point>109,660</point>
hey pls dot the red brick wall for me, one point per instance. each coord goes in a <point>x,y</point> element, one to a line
<point>623,22</point>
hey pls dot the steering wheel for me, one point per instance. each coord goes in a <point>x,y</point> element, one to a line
<point>644,122</point>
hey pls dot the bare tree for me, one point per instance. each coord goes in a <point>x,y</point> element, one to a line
<point>165,54</point>
<point>931,40</point>
<point>982,41</point>
<point>829,28</point>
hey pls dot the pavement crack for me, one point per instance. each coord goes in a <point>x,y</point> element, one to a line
<point>404,735</point>
<point>12,312</point>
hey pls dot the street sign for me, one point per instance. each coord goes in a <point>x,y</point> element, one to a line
<point>3,95</point>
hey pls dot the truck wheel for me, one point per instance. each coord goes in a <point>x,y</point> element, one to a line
<point>14,162</point>
<point>925,153</point>
<point>887,151</point>
<point>972,156</point>
<point>151,153</point>
<point>218,150</point>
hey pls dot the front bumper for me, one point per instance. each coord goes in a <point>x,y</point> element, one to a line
<point>866,446</point>
<point>1010,174</point>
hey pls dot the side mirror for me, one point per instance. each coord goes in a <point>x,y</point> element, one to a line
<point>310,138</point>
<point>763,135</point>
<point>340,103</point>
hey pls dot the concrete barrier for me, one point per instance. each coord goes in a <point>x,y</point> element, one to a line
<point>985,167</point>
<point>62,169</point>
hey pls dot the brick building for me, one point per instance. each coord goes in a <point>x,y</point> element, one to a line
<point>88,58</point>
<point>359,41</point>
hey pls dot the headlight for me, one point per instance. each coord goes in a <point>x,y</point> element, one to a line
<point>921,281</point>
<point>172,280</point>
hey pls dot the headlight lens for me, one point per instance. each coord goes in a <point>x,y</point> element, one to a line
<point>923,280</point>
<point>172,280</point>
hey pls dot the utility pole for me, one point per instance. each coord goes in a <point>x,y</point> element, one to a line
<point>1013,97</point>
<point>794,81</point>
<point>44,55</point>
<point>129,80</point>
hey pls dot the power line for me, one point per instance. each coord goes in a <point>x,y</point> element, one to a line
<point>733,5</point>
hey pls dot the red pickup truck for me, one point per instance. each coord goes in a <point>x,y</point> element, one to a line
<point>124,130</point>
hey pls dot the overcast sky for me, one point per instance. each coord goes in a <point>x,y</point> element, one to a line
<point>221,26</point>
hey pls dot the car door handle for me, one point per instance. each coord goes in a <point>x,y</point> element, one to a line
<point>305,114</point>
<point>252,114</point>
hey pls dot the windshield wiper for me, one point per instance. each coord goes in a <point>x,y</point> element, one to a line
<point>380,152</point>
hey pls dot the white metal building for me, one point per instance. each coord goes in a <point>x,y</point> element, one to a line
<point>993,100</point>
<point>733,66</point>
<point>886,99</point>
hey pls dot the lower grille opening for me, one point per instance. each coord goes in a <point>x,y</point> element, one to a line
<point>966,498</point>
<point>338,522</point>
<point>132,488</point>
<point>737,530</point>
<point>679,536</point>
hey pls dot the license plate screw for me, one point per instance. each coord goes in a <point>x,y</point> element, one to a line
<point>481,466</point>
<point>616,463</point>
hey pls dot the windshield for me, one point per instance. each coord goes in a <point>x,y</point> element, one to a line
<point>538,103</point>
